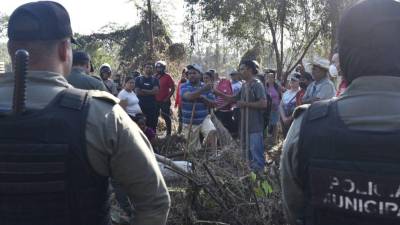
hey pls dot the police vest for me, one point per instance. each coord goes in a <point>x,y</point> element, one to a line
<point>350,177</point>
<point>45,175</point>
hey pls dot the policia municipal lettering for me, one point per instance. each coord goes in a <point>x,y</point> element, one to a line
<point>340,162</point>
<point>356,193</point>
<point>58,153</point>
<point>338,185</point>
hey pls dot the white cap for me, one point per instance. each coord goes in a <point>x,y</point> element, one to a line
<point>321,62</point>
<point>105,65</point>
<point>195,67</point>
<point>163,63</point>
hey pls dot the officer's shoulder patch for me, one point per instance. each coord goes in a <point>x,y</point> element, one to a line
<point>104,96</point>
<point>319,110</point>
<point>300,110</point>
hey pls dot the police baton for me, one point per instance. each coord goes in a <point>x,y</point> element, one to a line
<point>21,67</point>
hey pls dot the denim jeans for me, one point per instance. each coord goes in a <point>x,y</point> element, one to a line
<point>256,156</point>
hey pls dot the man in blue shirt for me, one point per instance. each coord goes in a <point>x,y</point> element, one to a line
<point>146,88</point>
<point>196,101</point>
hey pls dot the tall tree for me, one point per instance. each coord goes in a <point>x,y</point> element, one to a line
<point>150,19</point>
<point>287,27</point>
<point>129,47</point>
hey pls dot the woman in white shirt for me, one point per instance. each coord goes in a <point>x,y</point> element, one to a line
<point>288,103</point>
<point>129,100</point>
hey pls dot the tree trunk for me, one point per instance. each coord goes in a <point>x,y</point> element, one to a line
<point>282,19</point>
<point>151,28</point>
<point>305,50</point>
<point>334,11</point>
<point>217,49</point>
<point>279,68</point>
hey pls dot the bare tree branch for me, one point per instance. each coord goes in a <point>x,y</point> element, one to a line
<point>306,49</point>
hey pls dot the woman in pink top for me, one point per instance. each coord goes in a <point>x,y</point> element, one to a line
<point>274,91</point>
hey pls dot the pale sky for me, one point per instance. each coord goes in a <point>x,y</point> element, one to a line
<point>88,16</point>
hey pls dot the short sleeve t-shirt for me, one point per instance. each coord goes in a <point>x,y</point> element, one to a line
<point>289,101</point>
<point>166,83</point>
<point>146,83</point>
<point>236,86</point>
<point>200,110</point>
<point>256,92</point>
<point>274,93</point>
<point>132,107</point>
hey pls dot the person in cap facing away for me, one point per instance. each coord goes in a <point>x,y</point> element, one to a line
<point>69,141</point>
<point>105,74</point>
<point>322,88</point>
<point>340,158</point>
<point>79,76</point>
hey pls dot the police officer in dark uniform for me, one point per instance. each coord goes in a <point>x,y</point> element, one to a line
<point>340,163</point>
<point>79,76</point>
<point>57,157</point>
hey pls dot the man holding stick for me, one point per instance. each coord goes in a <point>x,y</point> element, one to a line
<point>196,99</point>
<point>252,101</point>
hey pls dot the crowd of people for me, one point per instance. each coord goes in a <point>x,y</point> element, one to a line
<point>251,103</point>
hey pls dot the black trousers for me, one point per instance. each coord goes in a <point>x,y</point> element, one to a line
<point>226,119</point>
<point>236,122</point>
<point>180,120</point>
<point>165,109</point>
<point>150,111</point>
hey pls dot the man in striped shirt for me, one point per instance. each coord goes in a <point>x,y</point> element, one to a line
<point>196,101</point>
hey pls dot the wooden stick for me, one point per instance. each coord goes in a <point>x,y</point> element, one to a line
<point>190,131</point>
<point>247,121</point>
<point>242,112</point>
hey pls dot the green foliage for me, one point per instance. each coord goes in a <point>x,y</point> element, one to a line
<point>128,48</point>
<point>261,187</point>
<point>282,29</point>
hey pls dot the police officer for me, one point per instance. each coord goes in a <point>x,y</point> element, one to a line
<point>56,159</point>
<point>81,68</point>
<point>340,158</point>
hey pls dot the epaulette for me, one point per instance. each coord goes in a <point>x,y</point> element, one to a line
<point>299,110</point>
<point>105,96</point>
<point>319,109</point>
